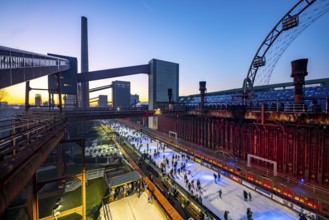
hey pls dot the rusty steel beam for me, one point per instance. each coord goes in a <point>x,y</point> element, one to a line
<point>11,186</point>
<point>11,165</point>
<point>307,118</point>
<point>35,205</point>
<point>111,73</point>
<point>93,115</point>
<point>83,180</point>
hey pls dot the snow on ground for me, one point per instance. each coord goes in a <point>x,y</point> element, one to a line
<point>232,199</point>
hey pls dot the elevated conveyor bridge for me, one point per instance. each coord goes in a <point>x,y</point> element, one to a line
<point>18,66</point>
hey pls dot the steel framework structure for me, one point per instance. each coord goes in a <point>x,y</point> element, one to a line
<point>292,24</point>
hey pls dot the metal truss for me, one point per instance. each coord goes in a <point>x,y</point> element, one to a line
<point>290,26</point>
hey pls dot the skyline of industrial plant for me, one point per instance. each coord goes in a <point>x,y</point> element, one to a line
<point>213,41</point>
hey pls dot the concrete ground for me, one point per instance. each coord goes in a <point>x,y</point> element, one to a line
<point>135,208</point>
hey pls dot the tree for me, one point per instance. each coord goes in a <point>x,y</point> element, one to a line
<point>3,94</point>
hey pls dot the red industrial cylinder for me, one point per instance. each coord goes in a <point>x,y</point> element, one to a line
<point>298,72</point>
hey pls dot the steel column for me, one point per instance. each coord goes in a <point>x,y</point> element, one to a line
<point>35,206</point>
<point>195,131</point>
<point>27,95</point>
<point>320,156</point>
<point>59,89</point>
<point>60,160</point>
<point>305,153</point>
<point>84,202</point>
<point>294,152</point>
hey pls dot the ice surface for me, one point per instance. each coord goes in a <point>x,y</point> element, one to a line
<point>232,192</point>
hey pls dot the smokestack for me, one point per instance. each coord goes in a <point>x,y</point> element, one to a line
<point>84,90</point>
<point>298,73</point>
<point>202,88</point>
<point>170,95</point>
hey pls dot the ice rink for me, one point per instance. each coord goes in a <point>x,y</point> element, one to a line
<point>232,192</point>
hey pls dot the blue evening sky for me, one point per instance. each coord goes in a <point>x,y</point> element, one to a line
<point>212,40</point>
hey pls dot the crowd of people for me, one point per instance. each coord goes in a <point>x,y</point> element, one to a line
<point>175,165</point>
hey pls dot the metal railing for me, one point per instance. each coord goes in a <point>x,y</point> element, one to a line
<point>273,105</point>
<point>90,175</point>
<point>25,129</point>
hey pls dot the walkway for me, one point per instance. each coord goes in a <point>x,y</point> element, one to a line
<point>132,207</point>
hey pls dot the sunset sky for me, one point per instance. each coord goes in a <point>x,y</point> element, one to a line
<point>212,40</point>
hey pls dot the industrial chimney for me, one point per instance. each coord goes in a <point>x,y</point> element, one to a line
<point>298,73</point>
<point>84,86</point>
<point>202,88</point>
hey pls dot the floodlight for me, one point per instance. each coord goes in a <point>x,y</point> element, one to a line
<point>290,22</point>
<point>258,62</point>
